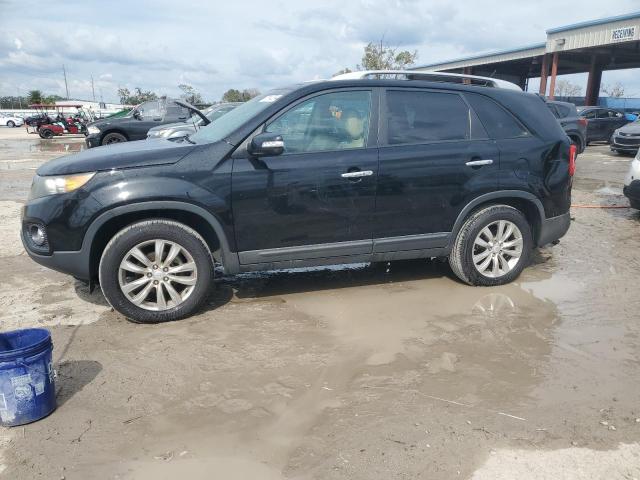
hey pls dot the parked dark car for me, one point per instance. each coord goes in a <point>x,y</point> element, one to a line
<point>177,130</point>
<point>321,173</point>
<point>601,122</point>
<point>135,124</point>
<point>626,139</point>
<point>574,125</point>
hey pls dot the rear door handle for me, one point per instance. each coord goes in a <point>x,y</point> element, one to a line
<point>358,174</point>
<point>479,163</point>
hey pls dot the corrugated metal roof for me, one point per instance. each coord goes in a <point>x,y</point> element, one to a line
<point>590,23</point>
<point>484,55</point>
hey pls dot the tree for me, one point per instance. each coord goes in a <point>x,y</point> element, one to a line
<point>340,72</point>
<point>615,91</point>
<point>139,96</point>
<point>380,56</point>
<point>52,98</point>
<point>565,88</point>
<point>234,95</point>
<point>123,95</point>
<point>190,94</point>
<point>35,96</point>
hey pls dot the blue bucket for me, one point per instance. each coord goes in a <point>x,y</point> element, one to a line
<point>27,388</point>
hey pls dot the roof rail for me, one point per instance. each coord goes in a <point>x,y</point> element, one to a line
<point>428,76</point>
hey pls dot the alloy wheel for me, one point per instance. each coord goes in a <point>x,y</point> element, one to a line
<point>497,249</point>
<point>157,275</point>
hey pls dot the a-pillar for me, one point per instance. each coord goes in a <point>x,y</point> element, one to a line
<point>544,71</point>
<point>554,74</point>
<point>593,82</point>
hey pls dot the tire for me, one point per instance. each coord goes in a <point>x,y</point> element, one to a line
<point>119,248</point>
<point>461,256</point>
<point>11,124</point>
<point>578,143</point>
<point>46,133</point>
<point>114,137</point>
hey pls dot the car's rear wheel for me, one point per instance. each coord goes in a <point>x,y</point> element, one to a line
<point>46,133</point>
<point>11,123</point>
<point>492,247</point>
<point>114,137</point>
<point>156,271</point>
<point>578,143</point>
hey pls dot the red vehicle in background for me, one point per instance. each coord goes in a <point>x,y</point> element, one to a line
<point>51,126</point>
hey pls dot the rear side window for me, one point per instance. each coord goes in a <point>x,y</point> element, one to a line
<point>419,117</point>
<point>496,120</point>
<point>563,110</point>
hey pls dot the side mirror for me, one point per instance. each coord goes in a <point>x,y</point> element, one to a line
<point>266,144</point>
<point>137,115</point>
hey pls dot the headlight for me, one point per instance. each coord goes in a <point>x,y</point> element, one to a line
<point>43,186</point>
<point>93,130</point>
<point>156,133</point>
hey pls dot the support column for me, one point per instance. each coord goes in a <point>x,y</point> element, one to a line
<point>544,71</point>
<point>593,82</point>
<point>467,71</point>
<point>554,73</point>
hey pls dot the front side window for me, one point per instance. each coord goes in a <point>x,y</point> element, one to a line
<point>419,117</point>
<point>150,110</point>
<point>332,121</point>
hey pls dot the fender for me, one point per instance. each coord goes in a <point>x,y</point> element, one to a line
<point>229,258</point>
<point>502,194</point>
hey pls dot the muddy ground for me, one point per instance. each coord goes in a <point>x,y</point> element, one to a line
<point>390,372</point>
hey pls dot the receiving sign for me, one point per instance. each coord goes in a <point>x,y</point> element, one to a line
<point>622,34</point>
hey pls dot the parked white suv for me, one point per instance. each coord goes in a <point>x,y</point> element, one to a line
<point>10,121</point>
<point>632,183</point>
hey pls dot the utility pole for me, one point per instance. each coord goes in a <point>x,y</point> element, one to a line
<point>19,98</point>
<point>92,89</point>
<point>66,87</point>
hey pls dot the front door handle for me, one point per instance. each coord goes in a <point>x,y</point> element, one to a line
<point>479,163</point>
<point>358,174</point>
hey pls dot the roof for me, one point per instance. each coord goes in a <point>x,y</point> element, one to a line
<point>492,53</point>
<point>591,23</point>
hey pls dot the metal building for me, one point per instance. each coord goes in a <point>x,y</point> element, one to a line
<point>595,46</point>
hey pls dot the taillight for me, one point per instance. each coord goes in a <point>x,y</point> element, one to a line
<point>583,121</point>
<point>573,151</point>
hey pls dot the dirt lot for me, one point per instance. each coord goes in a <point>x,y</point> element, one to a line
<point>363,372</point>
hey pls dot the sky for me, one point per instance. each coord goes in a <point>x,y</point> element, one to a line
<point>214,46</point>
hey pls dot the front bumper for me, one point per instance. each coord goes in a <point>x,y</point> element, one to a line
<point>553,228</point>
<point>92,140</point>
<point>71,263</point>
<point>632,192</point>
<point>624,143</point>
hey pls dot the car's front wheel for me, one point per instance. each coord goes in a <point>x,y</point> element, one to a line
<point>492,247</point>
<point>156,271</point>
<point>114,137</point>
<point>11,124</point>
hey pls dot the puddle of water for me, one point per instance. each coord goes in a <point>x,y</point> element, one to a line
<point>402,310</point>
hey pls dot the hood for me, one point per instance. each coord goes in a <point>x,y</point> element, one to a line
<point>167,126</point>
<point>143,153</point>
<point>630,128</point>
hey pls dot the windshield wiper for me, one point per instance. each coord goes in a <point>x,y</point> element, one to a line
<point>186,137</point>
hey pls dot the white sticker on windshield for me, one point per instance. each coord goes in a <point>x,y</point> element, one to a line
<point>270,98</point>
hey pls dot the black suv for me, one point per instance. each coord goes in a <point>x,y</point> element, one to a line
<point>135,124</point>
<point>322,173</point>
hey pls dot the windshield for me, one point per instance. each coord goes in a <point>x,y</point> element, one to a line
<point>225,125</point>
